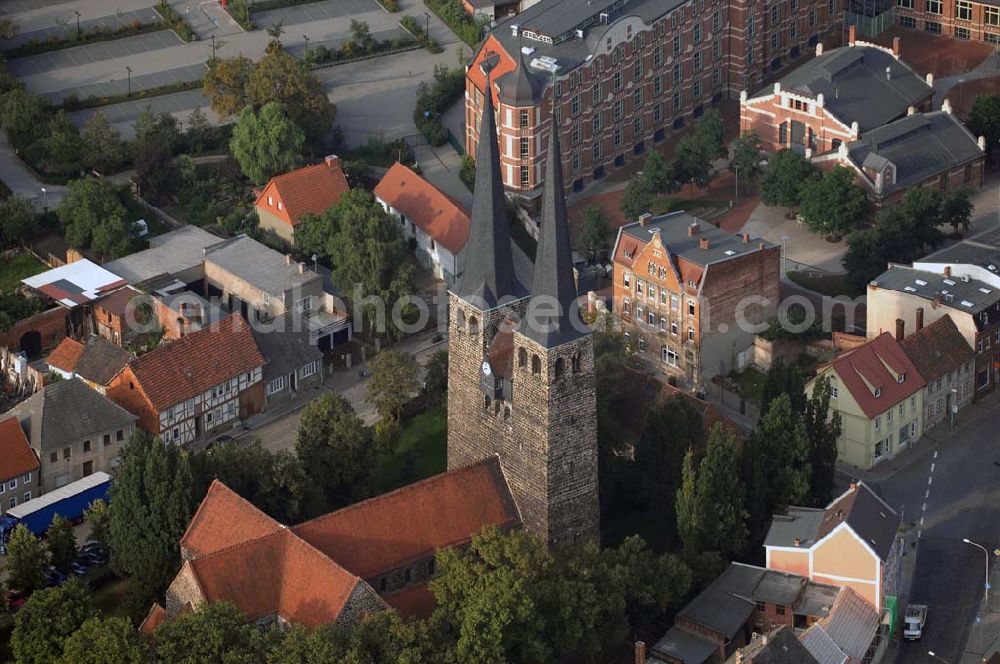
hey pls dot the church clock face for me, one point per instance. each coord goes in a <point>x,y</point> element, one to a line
<point>487,370</point>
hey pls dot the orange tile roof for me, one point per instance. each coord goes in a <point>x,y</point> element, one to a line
<point>391,530</point>
<point>869,363</point>
<point>197,362</point>
<point>65,355</point>
<point>153,619</point>
<point>16,457</point>
<point>505,63</point>
<point>310,189</point>
<point>223,520</point>
<point>426,206</point>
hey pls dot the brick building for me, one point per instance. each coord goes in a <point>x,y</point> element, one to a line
<point>961,19</point>
<point>18,466</point>
<point>945,361</point>
<point>681,288</point>
<point>625,76</point>
<point>521,379</point>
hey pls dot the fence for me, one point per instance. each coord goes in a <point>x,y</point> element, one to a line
<point>455,143</point>
<point>160,214</point>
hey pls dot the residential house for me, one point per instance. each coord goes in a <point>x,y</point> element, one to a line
<point>118,316</point>
<point>779,646</point>
<point>910,295</point>
<point>18,466</point>
<point>292,364</point>
<point>438,225</point>
<point>835,98</point>
<point>878,394</point>
<point>852,542</point>
<point>201,383</point>
<point>95,362</point>
<point>307,190</point>
<point>178,255</point>
<point>682,290</point>
<point>334,569</point>
<point>74,430</point>
<point>742,601</point>
<point>946,361</point>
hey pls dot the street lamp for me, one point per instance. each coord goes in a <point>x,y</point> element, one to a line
<point>44,207</point>
<point>78,33</point>
<point>315,259</point>
<point>986,596</point>
<point>306,37</point>
<point>936,656</point>
<point>427,26</point>
<point>129,70</point>
<point>736,170</point>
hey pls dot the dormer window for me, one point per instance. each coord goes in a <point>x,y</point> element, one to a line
<point>281,206</point>
<point>270,201</point>
<point>878,392</point>
<point>901,378</point>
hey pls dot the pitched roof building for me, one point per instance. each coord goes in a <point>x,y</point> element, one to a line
<point>95,362</point>
<point>307,190</point>
<point>18,465</point>
<point>337,567</point>
<point>947,362</point>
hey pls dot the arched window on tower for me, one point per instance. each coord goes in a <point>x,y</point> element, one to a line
<point>473,325</point>
<point>560,365</point>
<point>460,320</point>
<point>522,358</point>
<point>536,364</point>
<point>486,403</point>
<point>575,363</point>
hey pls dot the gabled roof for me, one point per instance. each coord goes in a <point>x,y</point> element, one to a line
<point>260,266</point>
<point>426,206</point>
<point>937,349</point>
<point>197,362</point>
<point>16,457</point>
<point>285,349</point>
<point>873,367</point>
<point>65,356</point>
<point>778,647</point>
<point>385,532</point>
<point>101,360</point>
<point>307,190</point>
<point>223,520</point>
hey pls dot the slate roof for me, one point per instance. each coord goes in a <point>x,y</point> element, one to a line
<point>259,265</point>
<point>307,190</point>
<point>980,250</point>
<point>973,297</point>
<point>800,523</point>
<point>16,457</point>
<point>101,360</point>
<point>171,253</point>
<point>520,87</point>
<point>67,411</point>
<point>197,362</point>
<point>869,365</point>
<point>854,85</point>
<point>937,349</point>
<point>920,146</point>
<point>284,349</point>
<point>426,206</point>
<point>65,356</point>
<point>778,647</point>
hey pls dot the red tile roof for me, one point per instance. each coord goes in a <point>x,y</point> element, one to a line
<point>223,520</point>
<point>878,362</point>
<point>311,189</point>
<point>937,349</point>
<point>16,457</point>
<point>153,619</point>
<point>65,355</point>
<point>197,362</point>
<point>413,602</point>
<point>391,530</point>
<point>426,206</point>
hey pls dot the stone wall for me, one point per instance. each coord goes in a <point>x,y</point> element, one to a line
<point>362,602</point>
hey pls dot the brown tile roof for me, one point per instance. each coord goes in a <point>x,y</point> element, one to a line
<point>937,349</point>
<point>153,619</point>
<point>117,302</point>
<point>65,355</point>
<point>426,206</point>
<point>310,189</point>
<point>223,520</point>
<point>391,530</point>
<point>16,457</point>
<point>195,363</point>
<point>501,353</point>
<point>870,364</point>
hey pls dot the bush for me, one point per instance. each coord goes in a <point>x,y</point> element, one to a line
<point>390,6</point>
<point>467,174</point>
<point>433,100</point>
<point>175,21</point>
<point>469,29</point>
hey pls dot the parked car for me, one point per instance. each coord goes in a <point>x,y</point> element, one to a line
<point>15,600</point>
<point>914,621</point>
<point>224,439</point>
<point>78,568</point>
<point>55,578</point>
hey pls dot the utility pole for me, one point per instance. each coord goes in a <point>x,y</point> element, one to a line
<point>427,26</point>
<point>129,70</point>
<point>306,37</point>
<point>79,34</point>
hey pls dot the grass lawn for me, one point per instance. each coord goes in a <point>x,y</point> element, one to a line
<point>422,451</point>
<point>750,383</point>
<point>665,204</point>
<point>827,284</point>
<point>19,267</point>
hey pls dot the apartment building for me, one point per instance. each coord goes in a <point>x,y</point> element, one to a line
<point>961,19</point>
<point>627,74</point>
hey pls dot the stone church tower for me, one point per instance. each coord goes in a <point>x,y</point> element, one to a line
<point>520,376</point>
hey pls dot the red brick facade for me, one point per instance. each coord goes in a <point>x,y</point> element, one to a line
<point>961,19</point>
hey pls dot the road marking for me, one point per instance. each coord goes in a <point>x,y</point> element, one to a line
<point>930,480</point>
<point>927,494</point>
<point>921,522</point>
<point>935,454</point>
<point>924,508</point>
<point>932,466</point>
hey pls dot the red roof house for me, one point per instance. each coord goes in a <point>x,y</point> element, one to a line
<point>18,465</point>
<point>307,190</point>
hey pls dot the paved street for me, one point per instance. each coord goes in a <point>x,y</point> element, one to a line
<point>105,50</point>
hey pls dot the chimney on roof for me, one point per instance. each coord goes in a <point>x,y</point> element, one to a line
<point>692,229</point>
<point>819,49</point>
<point>703,243</point>
<point>855,129</point>
<point>981,141</point>
<point>888,73</point>
<point>762,246</point>
<point>930,78</point>
<point>288,259</point>
<point>640,652</point>
<point>746,238</point>
<point>896,41</point>
<point>900,328</point>
<point>947,270</point>
<point>513,30</point>
<point>852,35</point>
<point>797,542</point>
<point>644,218</point>
<point>920,319</point>
<point>331,160</point>
<point>821,100</point>
<point>302,268</point>
<point>911,110</point>
<point>854,487</point>
<point>777,87</point>
<point>946,106</point>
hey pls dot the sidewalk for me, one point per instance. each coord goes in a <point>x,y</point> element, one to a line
<point>984,637</point>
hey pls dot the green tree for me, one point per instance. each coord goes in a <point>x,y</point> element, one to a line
<point>672,428</point>
<point>101,640</point>
<point>313,233</point>
<point>746,159</point>
<point>780,447</point>
<point>151,503</point>
<point>225,84</point>
<point>595,232</point>
<point>62,149</point>
<point>18,220</point>
<point>436,379</point>
<point>693,160</point>
<point>832,205</point>
<point>265,143</point>
<point>361,38</point>
<point>102,144</point>
<point>92,216</point>
<point>781,184</point>
<point>637,198</point>
<point>956,208</point>
<point>216,632</point>
<point>61,542</point>
<point>279,77</point>
<point>660,177</point>
<point>651,584</point>
<point>783,378</point>
<point>47,620</point>
<point>8,28</point>
<point>395,380</point>
<point>823,430</point>
<point>711,513</point>
<point>984,120</point>
<point>336,450</point>
<point>98,517</point>
<point>24,116</point>
<point>27,560</point>
<point>156,136</point>
<point>710,133</point>
<point>198,132</point>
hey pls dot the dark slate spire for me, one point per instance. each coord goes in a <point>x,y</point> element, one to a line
<point>554,281</point>
<point>488,267</point>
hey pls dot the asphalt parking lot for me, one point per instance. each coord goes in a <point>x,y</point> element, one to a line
<point>111,22</point>
<point>139,82</point>
<point>320,11</point>
<point>82,55</point>
<point>123,115</point>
